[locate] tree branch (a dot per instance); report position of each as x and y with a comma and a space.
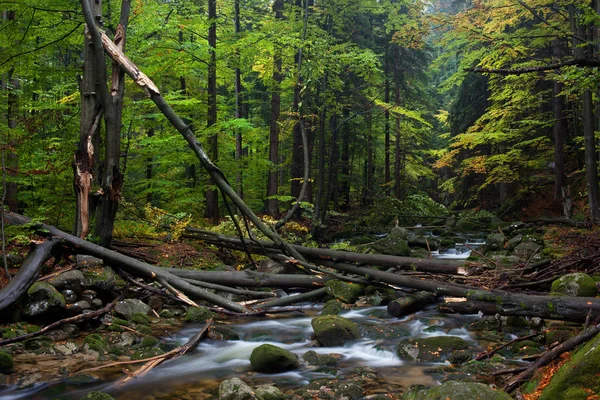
579, 62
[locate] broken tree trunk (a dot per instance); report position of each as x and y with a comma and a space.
130, 265
564, 308
315, 254
251, 278
29, 270
410, 303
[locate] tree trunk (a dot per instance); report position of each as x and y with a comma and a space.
321, 168
591, 157
410, 303
112, 179
238, 108
273, 184
212, 195
387, 168
397, 150
11, 165
345, 172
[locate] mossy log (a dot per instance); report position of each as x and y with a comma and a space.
29, 270
410, 303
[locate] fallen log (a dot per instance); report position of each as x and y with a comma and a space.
29, 270
563, 308
286, 301
410, 303
316, 254
251, 278
128, 264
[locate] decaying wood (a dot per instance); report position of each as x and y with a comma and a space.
242, 292
490, 353
568, 345
70, 320
179, 351
128, 264
410, 303
286, 301
28, 271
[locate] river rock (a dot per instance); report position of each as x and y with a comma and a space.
235, 389
576, 284
578, 377
455, 390
99, 278
43, 298
346, 292
6, 363
66, 348
268, 392
349, 391
527, 248
427, 243
97, 396
394, 244
198, 314
269, 358
72, 280
69, 295
332, 330
494, 241
432, 349
129, 307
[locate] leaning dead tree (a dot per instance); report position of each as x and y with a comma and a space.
102, 42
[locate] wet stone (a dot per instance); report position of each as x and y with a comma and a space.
70, 296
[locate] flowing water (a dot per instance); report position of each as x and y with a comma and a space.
197, 374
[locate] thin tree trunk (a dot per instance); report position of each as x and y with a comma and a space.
321, 167
149, 167
397, 150
591, 157
387, 168
273, 184
212, 197
238, 108
345, 172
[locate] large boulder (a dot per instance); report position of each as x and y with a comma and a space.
235, 389
345, 292
198, 314
268, 392
394, 244
69, 280
333, 330
576, 284
43, 298
455, 390
100, 278
432, 349
577, 379
527, 248
129, 307
6, 363
269, 358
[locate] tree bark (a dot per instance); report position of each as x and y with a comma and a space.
410, 303
212, 196
252, 278
591, 157
28, 271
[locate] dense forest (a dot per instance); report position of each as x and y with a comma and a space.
387, 131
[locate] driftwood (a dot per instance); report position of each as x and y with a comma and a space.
29, 270
130, 265
317, 255
410, 303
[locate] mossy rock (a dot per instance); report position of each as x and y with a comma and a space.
578, 378
269, 358
198, 314
97, 396
141, 319
576, 284
332, 307
146, 353
7, 365
392, 245
332, 330
432, 349
149, 341
268, 392
455, 390
235, 389
345, 292
96, 342
143, 329
99, 278
129, 308
43, 298
223, 333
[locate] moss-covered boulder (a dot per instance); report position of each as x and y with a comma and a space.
128, 308
576, 284
268, 392
235, 389
198, 314
577, 379
527, 248
455, 390
332, 307
269, 358
96, 342
432, 349
395, 244
333, 330
223, 333
43, 298
71, 280
99, 277
345, 292
97, 396
7, 365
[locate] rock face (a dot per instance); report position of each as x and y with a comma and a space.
432, 349
269, 358
344, 291
454, 390
578, 378
577, 284
129, 307
43, 298
332, 330
235, 389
